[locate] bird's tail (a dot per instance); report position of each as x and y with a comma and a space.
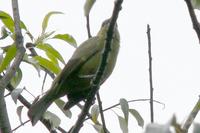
37, 109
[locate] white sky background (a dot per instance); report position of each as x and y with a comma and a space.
175, 51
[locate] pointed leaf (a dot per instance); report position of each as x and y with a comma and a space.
95, 113
60, 103
123, 124
124, 106
137, 116
48, 64
46, 20
17, 78
67, 38
52, 58
7, 20
19, 113
50, 50
4, 33
88, 6
53, 118
43, 37
10, 54
15, 94
33, 62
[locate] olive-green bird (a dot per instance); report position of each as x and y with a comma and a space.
75, 79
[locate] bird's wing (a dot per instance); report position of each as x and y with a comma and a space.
81, 55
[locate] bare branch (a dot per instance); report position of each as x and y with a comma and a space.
88, 26
4, 121
100, 71
191, 117
150, 74
193, 17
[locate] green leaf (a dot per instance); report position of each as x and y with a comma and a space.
19, 113
4, 33
48, 64
43, 37
53, 118
15, 94
137, 116
125, 108
46, 20
32, 62
52, 58
23, 26
67, 38
7, 20
196, 4
95, 113
17, 78
88, 6
10, 54
60, 103
50, 50
123, 124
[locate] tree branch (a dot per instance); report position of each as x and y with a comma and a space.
96, 81
4, 121
193, 17
45, 122
88, 26
150, 73
97, 95
191, 117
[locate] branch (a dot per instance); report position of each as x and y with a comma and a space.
191, 117
193, 17
4, 121
98, 95
95, 82
101, 112
150, 73
19, 45
45, 122
88, 26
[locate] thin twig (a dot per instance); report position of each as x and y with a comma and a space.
29, 92
101, 69
45, 122
191, 117
115, 105
150, 73
88, 26
22, 124
193, 17
101, 112
7, 95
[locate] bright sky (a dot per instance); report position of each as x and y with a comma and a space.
175, 51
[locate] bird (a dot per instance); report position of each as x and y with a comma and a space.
75, 78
